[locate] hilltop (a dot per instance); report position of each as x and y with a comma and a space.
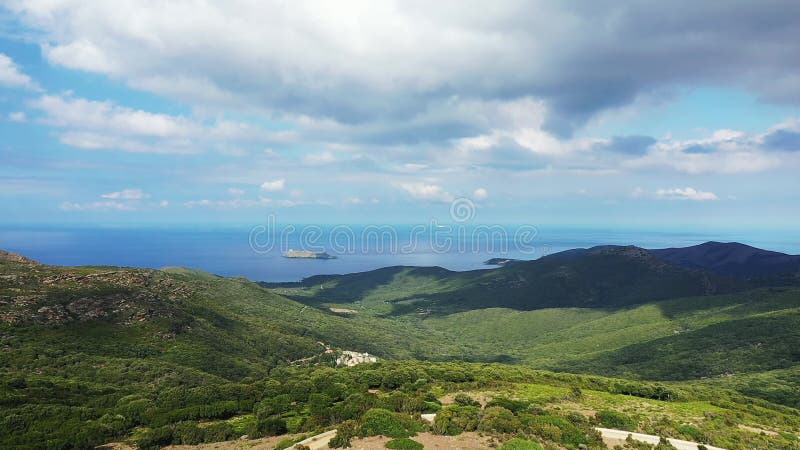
731, 258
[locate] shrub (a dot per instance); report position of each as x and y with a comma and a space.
379, 421
498, 419
454, 420
344, 433
187, 433
614, 419
271, 426
155, 438
465, 400
404, 444
691, 432
520, 444
431, 407
509, 404
221, 431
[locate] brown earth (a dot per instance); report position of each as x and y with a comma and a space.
464, 441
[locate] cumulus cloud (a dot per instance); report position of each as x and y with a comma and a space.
93, 124
273, 185
784, 136
67, 111
11, 76
480, 194
127, 194
577, 58
722, 151
428, 192
236, 191
687, 193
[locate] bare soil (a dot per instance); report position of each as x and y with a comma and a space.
464, 441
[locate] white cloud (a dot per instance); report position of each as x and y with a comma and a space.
127, 194
92, 124
236, 191
273, 185
687, 193
353, 201
235, 203
430, 192
480, 194
163, 203
17, 116
11, 76
409, 61
104, 205
66, 111
723, 151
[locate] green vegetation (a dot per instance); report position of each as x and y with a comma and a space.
404, 444
99, 354
520, 444
753, 334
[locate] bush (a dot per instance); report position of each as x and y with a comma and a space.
379, 421
187, 433
454, 420
514, 406
691, 432
465, 400
520, 444
221, 431
499, 420
344, 434
155, 438
404, 444
614, 419
271, 426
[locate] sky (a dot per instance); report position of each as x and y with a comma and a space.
603, 113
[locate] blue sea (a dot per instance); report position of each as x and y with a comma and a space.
256, 252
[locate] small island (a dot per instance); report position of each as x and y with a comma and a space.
307, 254
500, 261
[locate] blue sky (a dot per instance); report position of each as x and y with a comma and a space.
589, 114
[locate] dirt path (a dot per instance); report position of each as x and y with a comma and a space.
319, 441
464, 441
617, 437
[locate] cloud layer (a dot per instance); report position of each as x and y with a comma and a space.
363, 104
364, 62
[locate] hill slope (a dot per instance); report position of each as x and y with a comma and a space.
730, 258
91, 353
601, 277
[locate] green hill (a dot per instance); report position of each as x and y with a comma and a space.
93, 354
603, 277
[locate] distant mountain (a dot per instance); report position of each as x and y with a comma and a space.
730, 258
600, 277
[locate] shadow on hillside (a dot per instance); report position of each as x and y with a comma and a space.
753, 344
738, 304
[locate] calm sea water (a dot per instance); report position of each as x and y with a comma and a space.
238, 250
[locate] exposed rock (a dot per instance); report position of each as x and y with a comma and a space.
350, 358
15, 257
